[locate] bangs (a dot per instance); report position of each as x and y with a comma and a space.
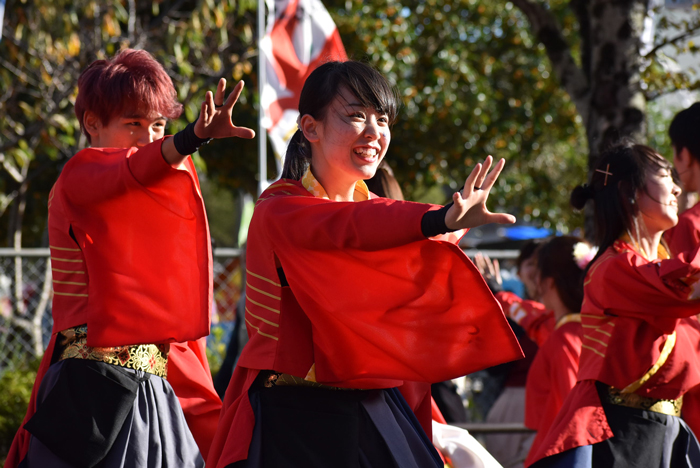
375, 94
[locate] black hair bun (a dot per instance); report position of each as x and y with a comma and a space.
580, 195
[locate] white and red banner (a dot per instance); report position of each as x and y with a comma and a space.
300, 36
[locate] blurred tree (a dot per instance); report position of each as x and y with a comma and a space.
544, 84
473, 83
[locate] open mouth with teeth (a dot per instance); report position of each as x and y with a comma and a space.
366, 153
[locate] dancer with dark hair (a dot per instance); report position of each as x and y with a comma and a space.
352, 311
683, 132
560, 264
640, 345
132, 274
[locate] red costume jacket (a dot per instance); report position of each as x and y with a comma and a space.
370, 303
685, 235
552, 376
537, 321
631, 308
131, 258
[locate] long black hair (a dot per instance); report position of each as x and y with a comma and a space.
320, 88
621, 173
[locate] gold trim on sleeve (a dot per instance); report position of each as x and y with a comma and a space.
263, 278
262, 292
64, 248
262, 305
69, 294
77, 272
262, 333
261, 319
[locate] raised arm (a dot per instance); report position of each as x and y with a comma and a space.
214, 122
469, 208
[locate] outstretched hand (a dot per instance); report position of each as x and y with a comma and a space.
215, 118
469, 209
489, 269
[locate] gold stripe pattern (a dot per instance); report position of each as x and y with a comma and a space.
590, 348
69, 282
69, 294
64, 248
66, 260
665, 352
261, 319
262, 305
261, 333
596, 340
262, 292
77, 272
262, 278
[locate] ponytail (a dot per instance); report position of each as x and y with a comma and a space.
298, 156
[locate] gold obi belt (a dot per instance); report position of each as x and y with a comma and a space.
145, 357
632, 400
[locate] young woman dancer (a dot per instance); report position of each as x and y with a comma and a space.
640, 348
352, 310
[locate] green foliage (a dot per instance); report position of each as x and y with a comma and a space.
216, 348
473, 82
16, 385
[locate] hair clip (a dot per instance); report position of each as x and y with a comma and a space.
607, 173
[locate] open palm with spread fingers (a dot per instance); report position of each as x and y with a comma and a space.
215, 119
469, 209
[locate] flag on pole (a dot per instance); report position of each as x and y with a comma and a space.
300, 36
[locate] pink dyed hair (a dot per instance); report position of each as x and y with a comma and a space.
132, 80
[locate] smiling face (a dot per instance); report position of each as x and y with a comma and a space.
127, 131
658, 203
348, 143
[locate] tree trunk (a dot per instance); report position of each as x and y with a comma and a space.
606, 85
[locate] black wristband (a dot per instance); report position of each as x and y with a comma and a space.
187, 142
433, 222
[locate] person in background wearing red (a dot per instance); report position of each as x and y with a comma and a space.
528, 312
639, 351
560, 264
683, 133
132, 274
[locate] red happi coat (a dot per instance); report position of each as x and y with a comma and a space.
532, 316
131, 258
552, 376
685, 235
631, 308
370, 303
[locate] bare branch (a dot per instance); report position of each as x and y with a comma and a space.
14, 173
671, 41
546, 30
